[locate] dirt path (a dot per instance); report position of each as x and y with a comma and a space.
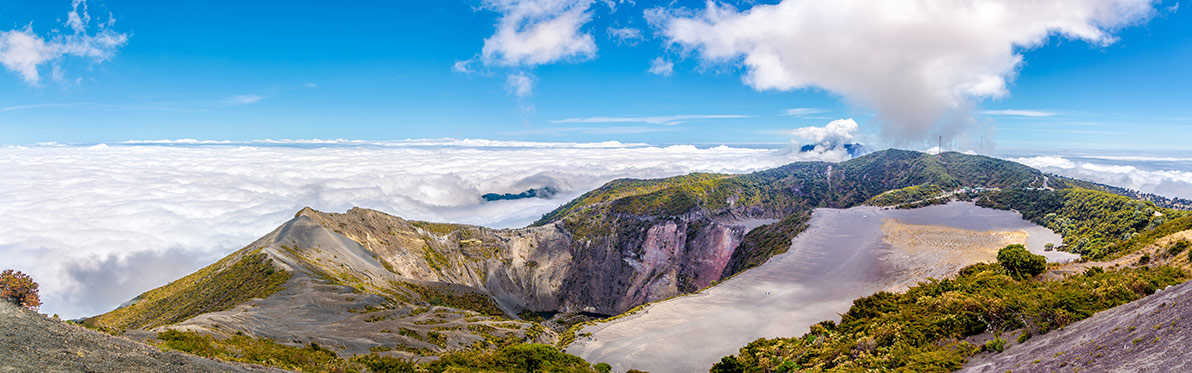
841, 256
33, 343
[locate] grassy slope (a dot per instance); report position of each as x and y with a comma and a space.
314, 358
1093, 223
218, 287
764, 242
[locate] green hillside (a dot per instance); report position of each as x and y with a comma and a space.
217, 287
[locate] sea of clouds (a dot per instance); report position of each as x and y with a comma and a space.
97, 225
1166, 174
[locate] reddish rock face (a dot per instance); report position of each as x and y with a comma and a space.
642, 259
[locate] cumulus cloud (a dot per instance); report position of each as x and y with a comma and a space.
97, 226
662, 67
920, 64
833, 134
1167, 176
24, 51
536, 32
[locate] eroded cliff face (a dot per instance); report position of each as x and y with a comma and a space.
547, 268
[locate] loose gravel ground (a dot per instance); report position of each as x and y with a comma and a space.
1153, 334
30, 342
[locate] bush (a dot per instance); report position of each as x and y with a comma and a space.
1020, 263
997, 344
1178, 248
1144, 260
527, 357
19, 289
603, 367
378, 363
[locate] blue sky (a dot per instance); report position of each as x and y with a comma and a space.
383, 70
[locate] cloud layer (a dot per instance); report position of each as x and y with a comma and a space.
24, 52
920, 64
1167, 176
98, 225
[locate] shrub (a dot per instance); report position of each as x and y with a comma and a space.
1178, 247
1020, 263
244, 349
603, 367
530, 316
528, 357
997, 344
19, 289
378, 363
1144, 260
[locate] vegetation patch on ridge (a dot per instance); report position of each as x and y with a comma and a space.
1093, 223
764, 242
906, 195
437, 295
215, 288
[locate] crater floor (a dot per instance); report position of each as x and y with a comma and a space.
843, 255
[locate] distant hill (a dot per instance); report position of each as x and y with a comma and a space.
854, 150
543, 192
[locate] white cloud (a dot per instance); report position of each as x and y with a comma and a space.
243, 99
835, 133
920, 64
520, 84
801, 111
1020, 113
668, 120
561, 131
77, 218
1145, 174
625, 35
662, 67
536, 32
24, 51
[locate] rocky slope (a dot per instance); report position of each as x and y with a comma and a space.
34, 343
366, 281
1148, 335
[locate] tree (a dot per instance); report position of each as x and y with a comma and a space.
19, 288
1020, 262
